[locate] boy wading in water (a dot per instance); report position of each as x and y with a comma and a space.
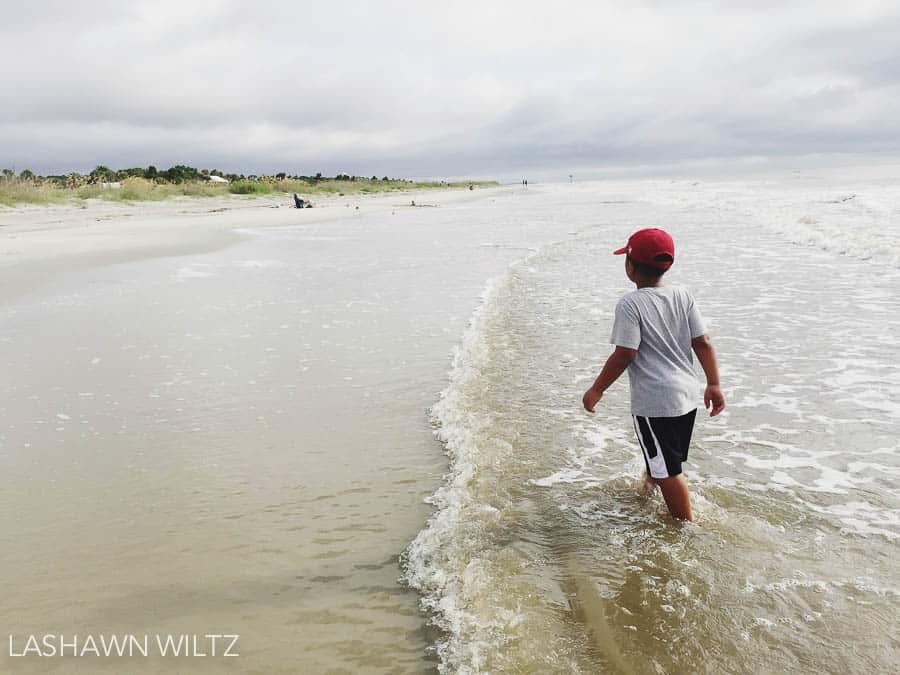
654, 331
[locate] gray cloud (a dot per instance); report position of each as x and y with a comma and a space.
458, 88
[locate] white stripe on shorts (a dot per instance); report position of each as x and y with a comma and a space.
657, 464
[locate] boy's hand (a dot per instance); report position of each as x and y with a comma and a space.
591, 398
615, 365
714, 397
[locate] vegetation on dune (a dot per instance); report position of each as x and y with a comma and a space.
16, 191
144, 184
250, 187
140, 189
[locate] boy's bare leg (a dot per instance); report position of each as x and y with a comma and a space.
675, 492
649, 484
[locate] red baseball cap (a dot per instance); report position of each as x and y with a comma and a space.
645, 245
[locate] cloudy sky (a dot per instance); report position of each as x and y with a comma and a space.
443, 88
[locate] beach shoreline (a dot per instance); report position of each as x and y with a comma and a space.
40, 243
264, 440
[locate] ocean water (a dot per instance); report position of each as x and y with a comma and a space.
545, 554
265, 441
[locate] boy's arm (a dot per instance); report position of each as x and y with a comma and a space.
615, 365
713, 396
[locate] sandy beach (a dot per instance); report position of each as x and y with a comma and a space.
214, 420
39, 243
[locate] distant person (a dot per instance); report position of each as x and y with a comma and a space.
654, 330
299, 203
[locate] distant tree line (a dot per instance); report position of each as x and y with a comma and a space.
174, 174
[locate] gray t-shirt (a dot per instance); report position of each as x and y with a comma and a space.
659, 322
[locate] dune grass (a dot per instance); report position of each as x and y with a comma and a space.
140, 189
367, 186
250, 187
20, 191
14, 191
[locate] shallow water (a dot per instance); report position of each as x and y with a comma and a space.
543, 527
241, 442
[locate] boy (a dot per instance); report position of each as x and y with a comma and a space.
654, 330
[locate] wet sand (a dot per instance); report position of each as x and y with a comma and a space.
216, 422
39, 243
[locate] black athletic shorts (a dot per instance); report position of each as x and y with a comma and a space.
664, 442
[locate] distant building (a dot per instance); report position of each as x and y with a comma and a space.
217, 179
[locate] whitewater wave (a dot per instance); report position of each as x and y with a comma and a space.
453, 562
865, 243
540, 528
862, 225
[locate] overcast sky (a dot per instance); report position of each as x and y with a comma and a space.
442, 88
